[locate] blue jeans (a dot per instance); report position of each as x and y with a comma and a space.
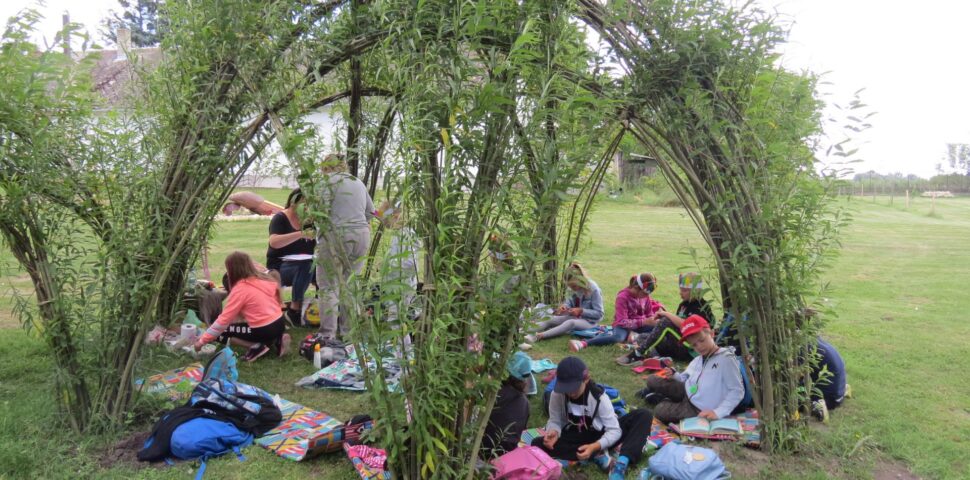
619, 335
298, 275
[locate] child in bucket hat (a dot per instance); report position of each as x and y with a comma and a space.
510, 414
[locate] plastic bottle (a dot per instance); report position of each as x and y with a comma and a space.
317, 361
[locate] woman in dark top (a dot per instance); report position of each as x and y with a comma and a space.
288, 237
510, 415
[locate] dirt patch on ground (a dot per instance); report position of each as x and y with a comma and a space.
892, 470
124, 453
741, 462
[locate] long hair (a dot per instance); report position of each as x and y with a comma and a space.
520, 385
239, 266
295, 196
334, 163
576, 273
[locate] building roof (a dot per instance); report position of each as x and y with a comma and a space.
113, 73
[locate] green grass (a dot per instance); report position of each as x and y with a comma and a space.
898, 289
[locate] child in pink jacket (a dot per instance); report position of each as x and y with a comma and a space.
635, 312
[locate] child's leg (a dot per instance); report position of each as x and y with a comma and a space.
669, 387
566, 327
555, 321
569, 442
619, 335
636, 429
669, 411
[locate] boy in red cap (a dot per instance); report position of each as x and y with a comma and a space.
710, 387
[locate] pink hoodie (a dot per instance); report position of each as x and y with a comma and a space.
630, 311
255, 299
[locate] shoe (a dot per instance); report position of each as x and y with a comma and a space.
525, 346
618, 472
283, 344
603, 460
848, 391
293, 316
576, 345
530, 338
653, 399
256, 351
820, 411
629, 360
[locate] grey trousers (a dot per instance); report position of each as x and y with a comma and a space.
561, 325
340, 254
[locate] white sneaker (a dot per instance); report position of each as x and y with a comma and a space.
525, 346
576, 345
530, 338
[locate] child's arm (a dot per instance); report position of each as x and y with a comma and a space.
595, 312
611, 425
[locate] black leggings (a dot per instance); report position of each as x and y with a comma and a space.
267, 335
635, 426
665, 339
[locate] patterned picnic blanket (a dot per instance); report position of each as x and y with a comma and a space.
346, 374
749, 424
176, 384
304, 433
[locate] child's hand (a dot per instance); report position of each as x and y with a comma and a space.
550, 439
586, 451
708, 414
576, 312
561, 310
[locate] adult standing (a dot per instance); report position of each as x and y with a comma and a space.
290, 251
343, 237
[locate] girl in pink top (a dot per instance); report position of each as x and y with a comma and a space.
635, 312
255, 297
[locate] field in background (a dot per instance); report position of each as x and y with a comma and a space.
898, 289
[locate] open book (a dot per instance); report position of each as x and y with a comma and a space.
702, 426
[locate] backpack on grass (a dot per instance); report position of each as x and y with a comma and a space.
526, 463
619, 405
682, 462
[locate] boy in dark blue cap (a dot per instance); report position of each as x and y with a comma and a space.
583, 426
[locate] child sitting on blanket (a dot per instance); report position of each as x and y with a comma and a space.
635, 312
581, 310
664, 340
583, 426
711, 386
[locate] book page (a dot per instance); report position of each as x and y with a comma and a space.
726, 425
695, 425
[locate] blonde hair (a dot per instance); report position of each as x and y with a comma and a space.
576, 272
334, 163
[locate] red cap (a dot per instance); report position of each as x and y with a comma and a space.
692, 325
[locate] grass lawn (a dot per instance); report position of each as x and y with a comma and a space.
897, 288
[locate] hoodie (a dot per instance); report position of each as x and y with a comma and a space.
591, 301
631, 311
255, 299
714, 383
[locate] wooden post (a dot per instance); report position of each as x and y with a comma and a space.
907, 199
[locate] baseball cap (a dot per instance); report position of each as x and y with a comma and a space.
692, 325
520, 367
570, 375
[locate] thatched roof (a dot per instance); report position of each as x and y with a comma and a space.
113, 73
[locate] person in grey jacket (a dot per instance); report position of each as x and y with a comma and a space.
710, 387
583, 425
581, 310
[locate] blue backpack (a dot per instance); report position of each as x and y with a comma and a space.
682, 462
203, 438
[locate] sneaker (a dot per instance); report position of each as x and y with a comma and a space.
283, 344
619, 468
603, 460
531, 338
293, 316
653, 399
820, 411
848, 391
576, 345
525, 346
256, 351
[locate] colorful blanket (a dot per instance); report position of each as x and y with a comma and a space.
750, 423
175, 384
659, 436
304, 433
362, 466
346, 374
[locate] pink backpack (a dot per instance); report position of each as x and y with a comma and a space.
526, 463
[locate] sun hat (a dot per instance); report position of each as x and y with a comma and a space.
520, 367
692, 325
570, 375
690, 280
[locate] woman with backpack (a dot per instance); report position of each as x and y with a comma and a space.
583, 425
254, 296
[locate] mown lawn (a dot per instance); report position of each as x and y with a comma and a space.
898, 288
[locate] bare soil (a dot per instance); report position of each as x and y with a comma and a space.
124, 453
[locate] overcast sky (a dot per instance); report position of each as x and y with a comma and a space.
910, 59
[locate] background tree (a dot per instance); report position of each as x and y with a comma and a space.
141, 17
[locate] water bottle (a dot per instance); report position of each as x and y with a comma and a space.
317, 361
